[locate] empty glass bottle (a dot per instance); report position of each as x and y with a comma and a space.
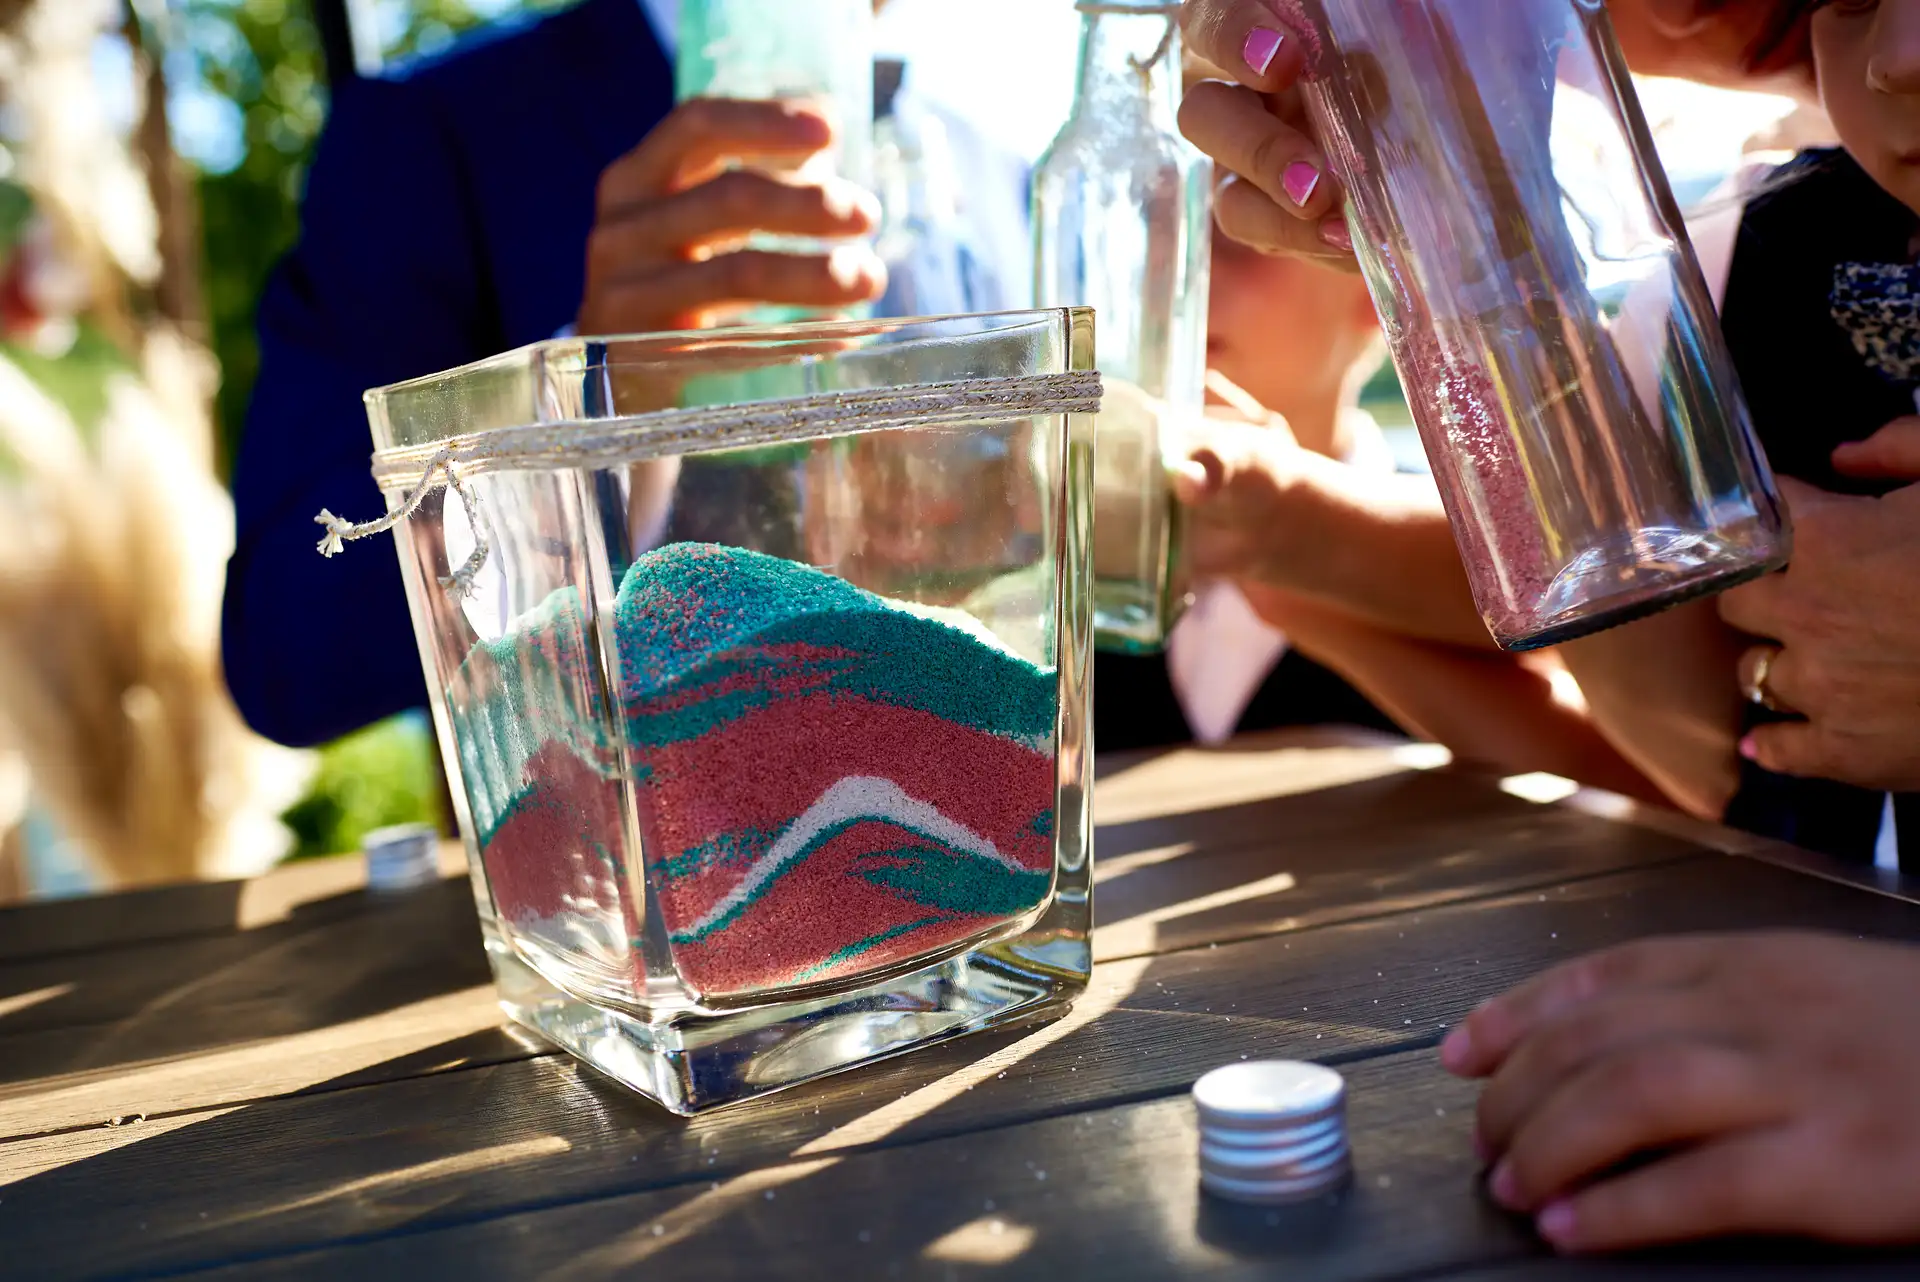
1122, 224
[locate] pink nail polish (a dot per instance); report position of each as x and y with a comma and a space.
1750, 748
1504, 1188
1557, 1224
1262, 47
1334, 232
1300, 180
1456, 1049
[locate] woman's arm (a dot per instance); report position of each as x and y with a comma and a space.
1665, 693
1485, 706
1373, 545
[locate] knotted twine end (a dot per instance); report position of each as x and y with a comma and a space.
338, 532
459, 584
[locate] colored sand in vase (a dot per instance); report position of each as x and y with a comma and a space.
830, 783
542, 784
827, 783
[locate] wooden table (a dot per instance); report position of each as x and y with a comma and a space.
291, 1079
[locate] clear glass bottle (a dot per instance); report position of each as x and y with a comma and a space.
769, 761
1123, 209
757, 50
1547, 315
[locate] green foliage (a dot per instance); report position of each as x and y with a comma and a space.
384, 775
264, 58
76, 379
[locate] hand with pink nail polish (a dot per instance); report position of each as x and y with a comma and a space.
1716, 1085
1288, 202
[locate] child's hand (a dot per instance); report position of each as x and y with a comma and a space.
1769, 1080
1235, 485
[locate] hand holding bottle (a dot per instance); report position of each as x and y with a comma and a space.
672, 214
1285, 201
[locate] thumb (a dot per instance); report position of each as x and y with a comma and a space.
1892, 453
1193, 482
1802, 498
1201, 476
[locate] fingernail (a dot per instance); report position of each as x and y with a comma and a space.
1190, 482
852, 267
1505, 1190
1334, 232
1750, 748
1300, 181
1556, 1223
844, 200
1456, 1049
1262, 47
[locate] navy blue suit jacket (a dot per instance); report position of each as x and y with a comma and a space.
446, 219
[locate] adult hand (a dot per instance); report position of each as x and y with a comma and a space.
1279, 197
672, 214
1842, 625
1759, 1081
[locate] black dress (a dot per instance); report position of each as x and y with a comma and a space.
1809, 390
1134, 705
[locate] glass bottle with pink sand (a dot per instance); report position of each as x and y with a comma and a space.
1547, 316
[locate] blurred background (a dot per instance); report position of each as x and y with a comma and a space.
152, 155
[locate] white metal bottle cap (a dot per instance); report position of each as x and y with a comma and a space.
402, 858
1272, 1131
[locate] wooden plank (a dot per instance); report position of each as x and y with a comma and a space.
245, 948
1389, 842
350, 961
1384, 844
423, 1153
1111, 1194
1267, 765
1710, 1262
47, 928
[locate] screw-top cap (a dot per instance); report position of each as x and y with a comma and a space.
402, 858
1272, 1131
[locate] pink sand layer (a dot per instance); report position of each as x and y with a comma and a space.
758, 773
827, 921
559, 851
1483, 485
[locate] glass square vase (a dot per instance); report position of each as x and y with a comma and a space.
766, 713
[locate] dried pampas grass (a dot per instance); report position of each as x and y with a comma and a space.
110, 682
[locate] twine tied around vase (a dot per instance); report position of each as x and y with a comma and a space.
413, 472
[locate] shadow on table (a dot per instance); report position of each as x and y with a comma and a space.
1063, 1150
338, 959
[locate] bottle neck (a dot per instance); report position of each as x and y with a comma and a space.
1130, 66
